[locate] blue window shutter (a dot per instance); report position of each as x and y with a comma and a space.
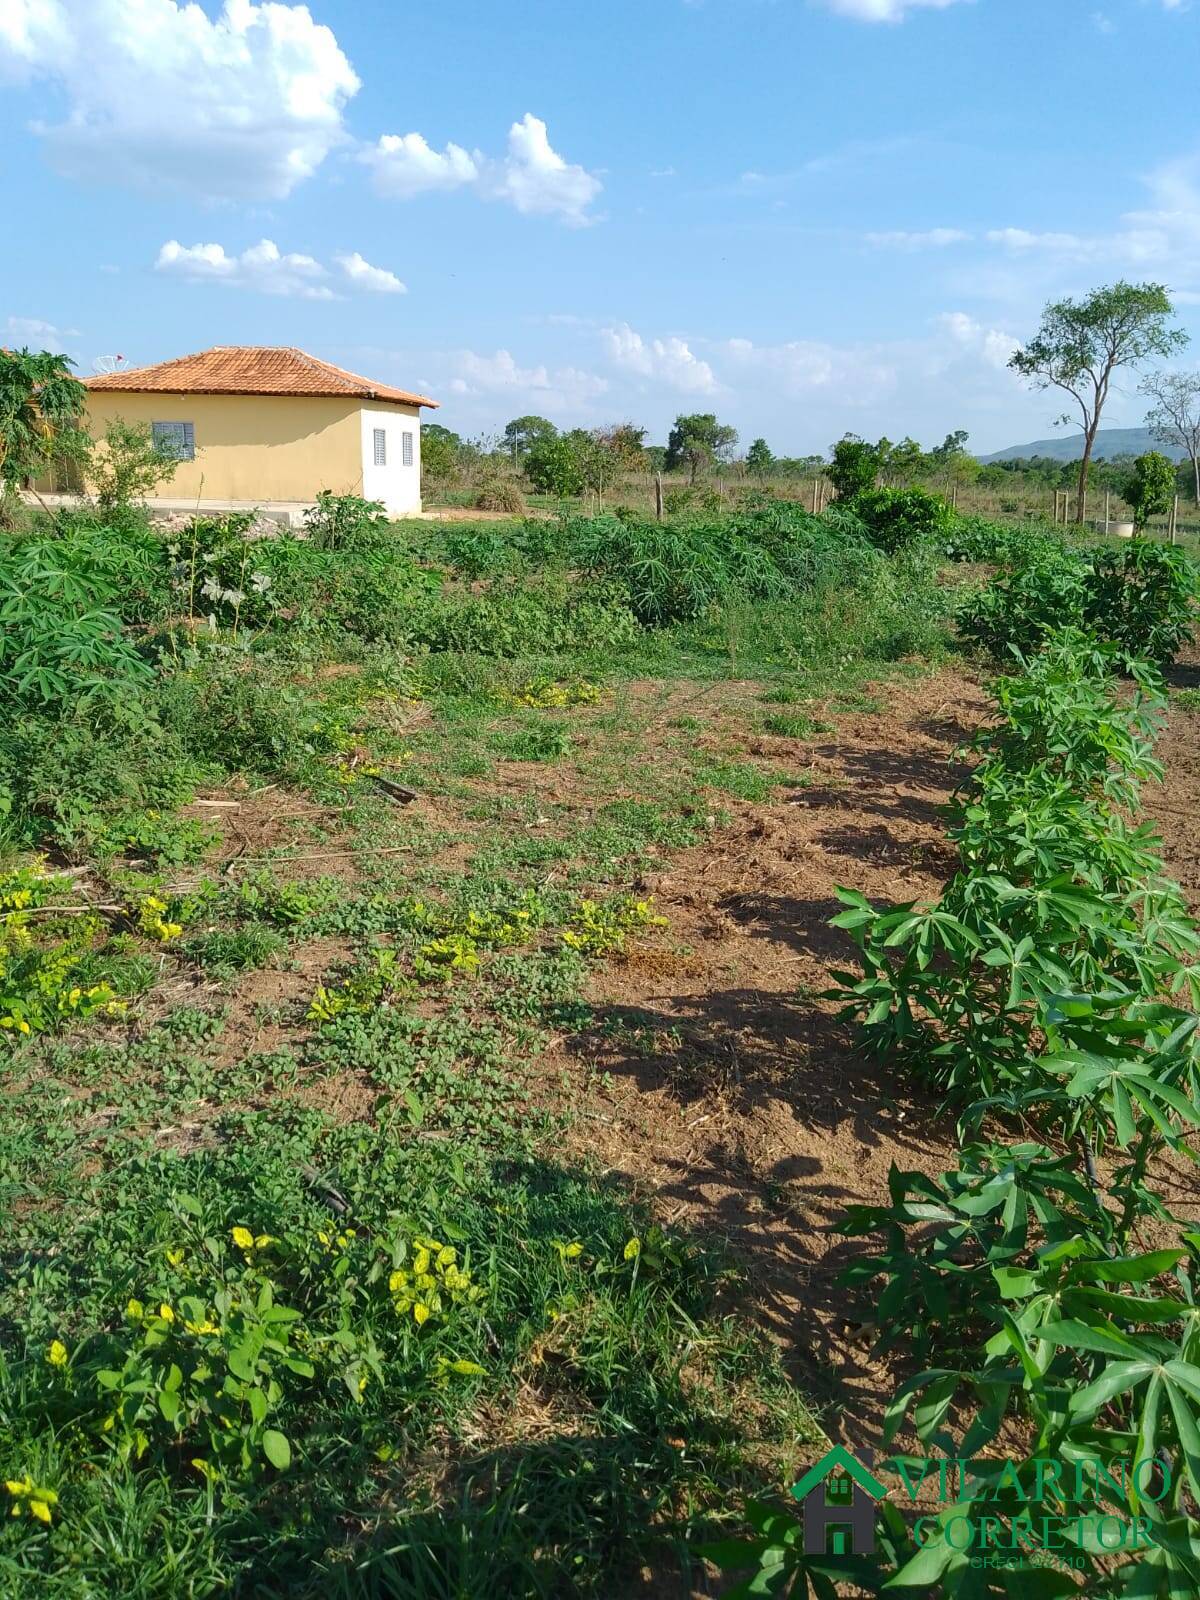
189, 442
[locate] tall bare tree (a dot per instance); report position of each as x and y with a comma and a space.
1081, 343
1174, 417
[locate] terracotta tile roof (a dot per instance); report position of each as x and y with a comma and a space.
252, 369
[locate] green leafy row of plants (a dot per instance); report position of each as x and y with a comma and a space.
1044, 1286
1140, 597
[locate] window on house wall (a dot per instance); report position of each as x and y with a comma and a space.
406, 449
177, 439
380, 436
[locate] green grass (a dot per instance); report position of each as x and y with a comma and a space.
796, 726
360, 1048
631, 1342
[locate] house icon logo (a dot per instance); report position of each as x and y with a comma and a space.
839, 1496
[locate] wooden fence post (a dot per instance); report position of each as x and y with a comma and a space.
1107, 503
815, 482
1175, 521
658, 496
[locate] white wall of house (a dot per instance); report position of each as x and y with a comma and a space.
391, 455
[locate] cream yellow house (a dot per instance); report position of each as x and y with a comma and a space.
254, 425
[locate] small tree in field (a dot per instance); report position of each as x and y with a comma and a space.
441, 455
854, 466
41, 418
522, 433
1081, 343
697, 441
907, 461
626, 443
130, 466
759, 457
552, 467
1150, 488
1175, 416
601, 454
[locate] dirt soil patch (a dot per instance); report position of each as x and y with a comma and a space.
720, 1081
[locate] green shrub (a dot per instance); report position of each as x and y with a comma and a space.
368, 591
347, 523
896, 518
69, 781
536, 616
244, 715
1016, 613
130, 465
480, 552
1149, 487
676, 571
62, 642
1140, 598
552, 467
1004, 544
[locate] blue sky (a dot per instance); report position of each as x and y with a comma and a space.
806, 215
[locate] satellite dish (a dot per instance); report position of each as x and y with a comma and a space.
103, 365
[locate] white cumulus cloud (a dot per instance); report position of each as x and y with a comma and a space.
263, 267
362, 275
531, 176
992, 345
853, 375
559, 391
883, 10
669, 361
159, 95
406, 165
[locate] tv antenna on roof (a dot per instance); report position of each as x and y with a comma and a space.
103, 365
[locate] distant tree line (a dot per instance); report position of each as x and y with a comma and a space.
1078, 349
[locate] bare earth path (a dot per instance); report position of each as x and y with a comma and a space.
719, 1080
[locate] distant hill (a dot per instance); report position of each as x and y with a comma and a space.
1069, 446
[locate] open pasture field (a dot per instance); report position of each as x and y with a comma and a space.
448, 1143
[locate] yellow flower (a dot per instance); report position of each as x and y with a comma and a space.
242, 1237
57, 1353
447, 1256
420, 1313
202, 1327
397, 1281
135, 1310
166, 1313
175, 1257
633, 1248
262, 1241
421, 1261
32, 1497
